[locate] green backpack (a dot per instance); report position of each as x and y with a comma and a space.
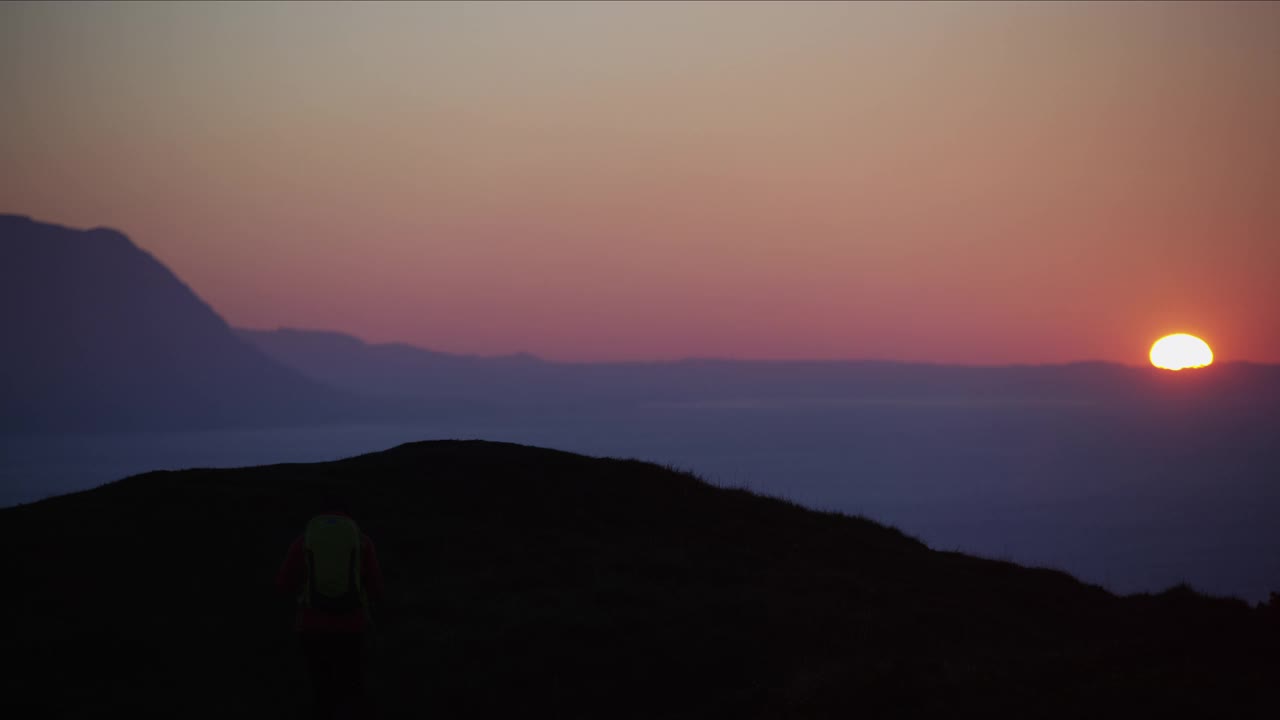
332, 544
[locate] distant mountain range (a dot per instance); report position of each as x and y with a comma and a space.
514, 381
399, 370
100, 335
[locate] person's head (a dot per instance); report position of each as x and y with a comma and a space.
331, 502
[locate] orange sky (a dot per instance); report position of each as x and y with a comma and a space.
974, 183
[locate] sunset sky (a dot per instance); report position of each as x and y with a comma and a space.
972, 183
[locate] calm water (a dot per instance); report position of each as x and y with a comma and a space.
1130, 500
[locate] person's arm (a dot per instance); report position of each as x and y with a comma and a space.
372, 571
289, 579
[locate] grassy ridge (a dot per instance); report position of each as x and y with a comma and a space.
523, 579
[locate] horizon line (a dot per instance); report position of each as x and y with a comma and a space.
728, 359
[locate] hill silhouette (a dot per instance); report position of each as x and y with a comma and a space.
524, 581
100, 335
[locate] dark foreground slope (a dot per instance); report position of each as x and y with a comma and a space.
527, 582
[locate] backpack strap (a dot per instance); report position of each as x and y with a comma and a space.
353, 582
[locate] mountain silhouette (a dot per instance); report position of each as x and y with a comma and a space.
100, 335
525, 381
530, 582
402, 370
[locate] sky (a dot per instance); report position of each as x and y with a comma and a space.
955, 183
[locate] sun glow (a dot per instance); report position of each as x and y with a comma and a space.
1180, 351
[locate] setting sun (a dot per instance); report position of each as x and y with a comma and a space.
1180, 351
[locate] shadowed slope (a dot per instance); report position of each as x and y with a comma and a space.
528, 581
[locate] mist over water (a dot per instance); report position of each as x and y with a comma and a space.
1131, 498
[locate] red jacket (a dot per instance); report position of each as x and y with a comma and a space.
292, 575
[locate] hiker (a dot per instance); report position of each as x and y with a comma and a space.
333, 569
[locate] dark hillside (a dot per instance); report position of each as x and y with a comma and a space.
528, 582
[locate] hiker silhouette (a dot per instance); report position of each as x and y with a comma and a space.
332, 568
